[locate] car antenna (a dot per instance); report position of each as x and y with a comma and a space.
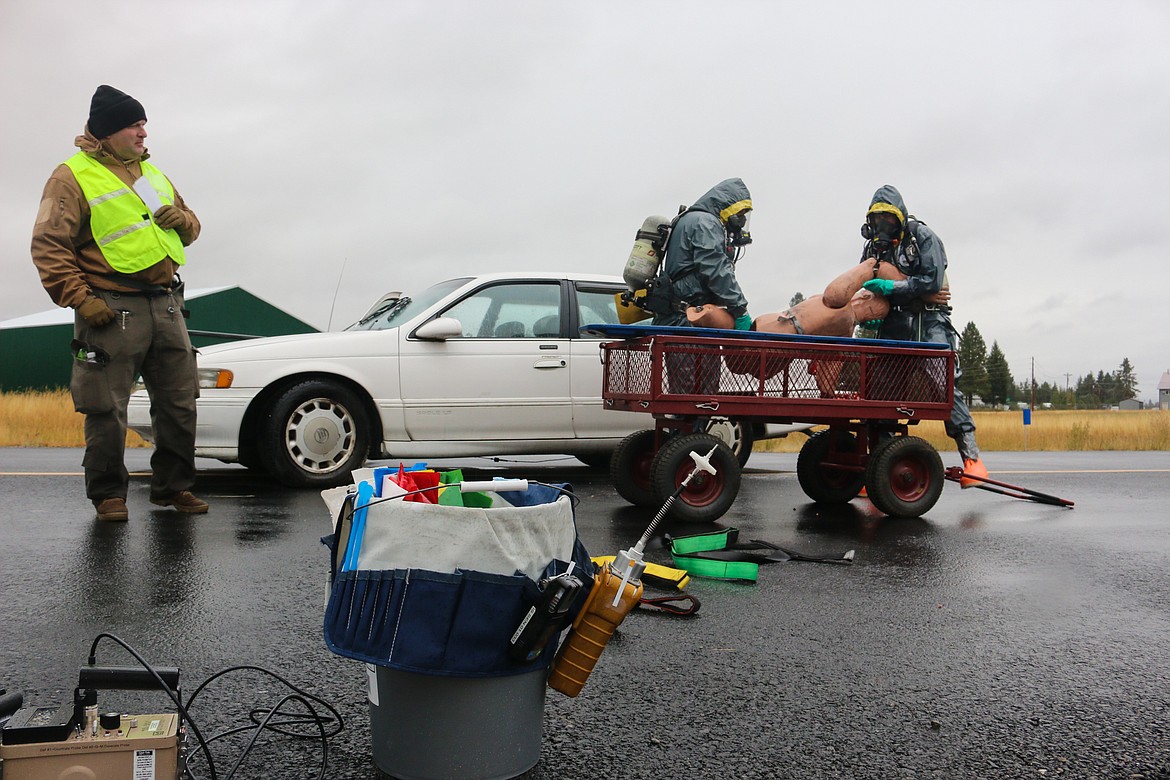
336, 290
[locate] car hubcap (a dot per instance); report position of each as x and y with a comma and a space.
320, 435
727, 432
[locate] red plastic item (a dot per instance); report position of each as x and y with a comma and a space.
418, 480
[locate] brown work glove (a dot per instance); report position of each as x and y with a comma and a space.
96, 312
170, 218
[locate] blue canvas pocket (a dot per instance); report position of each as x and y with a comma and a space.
454, 624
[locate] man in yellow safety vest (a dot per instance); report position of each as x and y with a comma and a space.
108, 242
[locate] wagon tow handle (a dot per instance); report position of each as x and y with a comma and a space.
628, 561
956, 473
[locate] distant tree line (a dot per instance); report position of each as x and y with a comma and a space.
986, 374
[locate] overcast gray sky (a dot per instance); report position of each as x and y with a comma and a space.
359, 147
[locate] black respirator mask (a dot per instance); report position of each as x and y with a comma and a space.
883, 233
738, 233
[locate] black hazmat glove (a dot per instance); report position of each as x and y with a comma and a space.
96, 312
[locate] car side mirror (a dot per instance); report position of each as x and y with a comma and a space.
440, 329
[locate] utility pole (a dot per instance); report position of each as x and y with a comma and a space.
1032, 404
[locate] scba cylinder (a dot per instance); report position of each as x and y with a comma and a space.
646, 255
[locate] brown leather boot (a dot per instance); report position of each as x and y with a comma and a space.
184, 501
113, 509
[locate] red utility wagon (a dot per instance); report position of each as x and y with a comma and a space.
867, 391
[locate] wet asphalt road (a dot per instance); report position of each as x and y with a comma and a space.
992, 638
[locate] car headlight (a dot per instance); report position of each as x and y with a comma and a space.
215, 377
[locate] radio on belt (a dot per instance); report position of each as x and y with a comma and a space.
546, 617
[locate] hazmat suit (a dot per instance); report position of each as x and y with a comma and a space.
699, 268
918, 253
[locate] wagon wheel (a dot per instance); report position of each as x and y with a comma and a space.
629, 468
707, 496
904, 477
822, 481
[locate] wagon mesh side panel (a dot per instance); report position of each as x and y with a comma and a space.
666, 368
627, 370
908, 378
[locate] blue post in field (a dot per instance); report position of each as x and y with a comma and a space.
1027, 422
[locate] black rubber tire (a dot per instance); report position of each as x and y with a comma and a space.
629, 468
316, 434
708, 496
598, 461
828, 484
904, 477
736, 434
252, 462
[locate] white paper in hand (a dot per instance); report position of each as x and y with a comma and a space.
148, 195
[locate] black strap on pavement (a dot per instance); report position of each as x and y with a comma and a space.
720, 554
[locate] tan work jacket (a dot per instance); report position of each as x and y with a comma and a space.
68, 259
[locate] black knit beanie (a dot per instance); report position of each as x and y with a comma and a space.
112, 110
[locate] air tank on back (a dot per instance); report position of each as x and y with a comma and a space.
645, 257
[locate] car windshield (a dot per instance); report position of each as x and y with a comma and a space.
393, 310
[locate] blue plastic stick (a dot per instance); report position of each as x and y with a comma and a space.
358, 526
379, 475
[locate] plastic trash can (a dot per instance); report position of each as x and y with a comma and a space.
428, 727
428, 597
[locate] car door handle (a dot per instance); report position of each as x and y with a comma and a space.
550, 362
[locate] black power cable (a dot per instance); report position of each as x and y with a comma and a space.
259, 724
162, 685
268, 721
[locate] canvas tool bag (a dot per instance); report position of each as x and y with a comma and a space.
439, 589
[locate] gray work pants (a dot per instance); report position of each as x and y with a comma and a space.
149, 337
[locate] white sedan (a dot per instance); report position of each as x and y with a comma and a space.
475, 366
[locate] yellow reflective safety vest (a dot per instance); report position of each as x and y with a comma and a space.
121, 222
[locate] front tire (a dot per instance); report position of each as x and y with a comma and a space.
904, 477
707, 497
316, 434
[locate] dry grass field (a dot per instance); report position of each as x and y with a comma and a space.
44, 419
1051, 430
47, 419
